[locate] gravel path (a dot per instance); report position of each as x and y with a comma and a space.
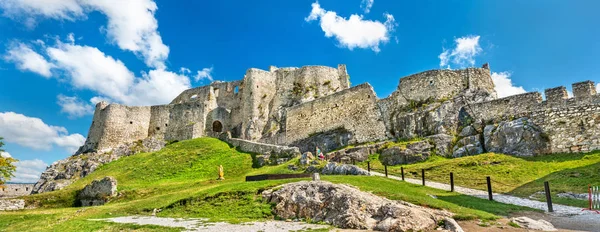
203, 225
559, 210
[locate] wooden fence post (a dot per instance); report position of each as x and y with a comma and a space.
402, 171
369, 166
548, 196
385, 166
489, 187
423, 176
451, 182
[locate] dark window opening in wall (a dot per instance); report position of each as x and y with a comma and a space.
166, 124
430, 82
130, 122
27, 189
236, 89
217, 126
157, 128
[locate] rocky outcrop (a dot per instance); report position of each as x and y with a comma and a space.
347, 207
412, 153
442, 143
470, 145
98, 192
11, 204
343, 169
64, 172
358, 153
528, 223
520, 137
410, 118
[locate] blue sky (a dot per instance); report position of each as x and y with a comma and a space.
57, 58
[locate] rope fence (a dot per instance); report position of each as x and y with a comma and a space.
594, 191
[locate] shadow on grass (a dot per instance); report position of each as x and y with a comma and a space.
492, 207
573, 180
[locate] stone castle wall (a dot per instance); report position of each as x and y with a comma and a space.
313, 105
116, 124
570, 124
354, 111
443, 84
15, 190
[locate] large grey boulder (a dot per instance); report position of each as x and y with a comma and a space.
98, 192
332, 168
398, 155
528, 223
347, 207
470, 145
442, 143
520, 137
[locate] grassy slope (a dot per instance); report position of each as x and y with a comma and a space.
180, 180
517, 176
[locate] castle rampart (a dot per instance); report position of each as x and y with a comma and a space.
15, 190
354, 111
314, 106
570, 124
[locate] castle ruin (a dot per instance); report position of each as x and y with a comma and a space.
315, 106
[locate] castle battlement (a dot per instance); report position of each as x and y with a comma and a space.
314, 106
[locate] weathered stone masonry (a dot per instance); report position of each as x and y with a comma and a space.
313, 106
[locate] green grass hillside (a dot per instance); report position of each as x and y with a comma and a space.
513, 175
180, 179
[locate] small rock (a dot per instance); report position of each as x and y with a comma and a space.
316, 177
397, 155
306, 157
343, 169
528, 223
467, 131
578, 196
451, 225
292, 167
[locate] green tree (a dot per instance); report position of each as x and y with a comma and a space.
7, 166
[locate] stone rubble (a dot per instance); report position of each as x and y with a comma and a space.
528, 223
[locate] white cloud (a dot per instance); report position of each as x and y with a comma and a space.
204, 74
131, 24
5, 154
89, 68
34, 133
28, 60
184, 70
86, 67
74, 107
366, 5
157, 87
463, 54
354, 31
504, 86
29, 171
28, 10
